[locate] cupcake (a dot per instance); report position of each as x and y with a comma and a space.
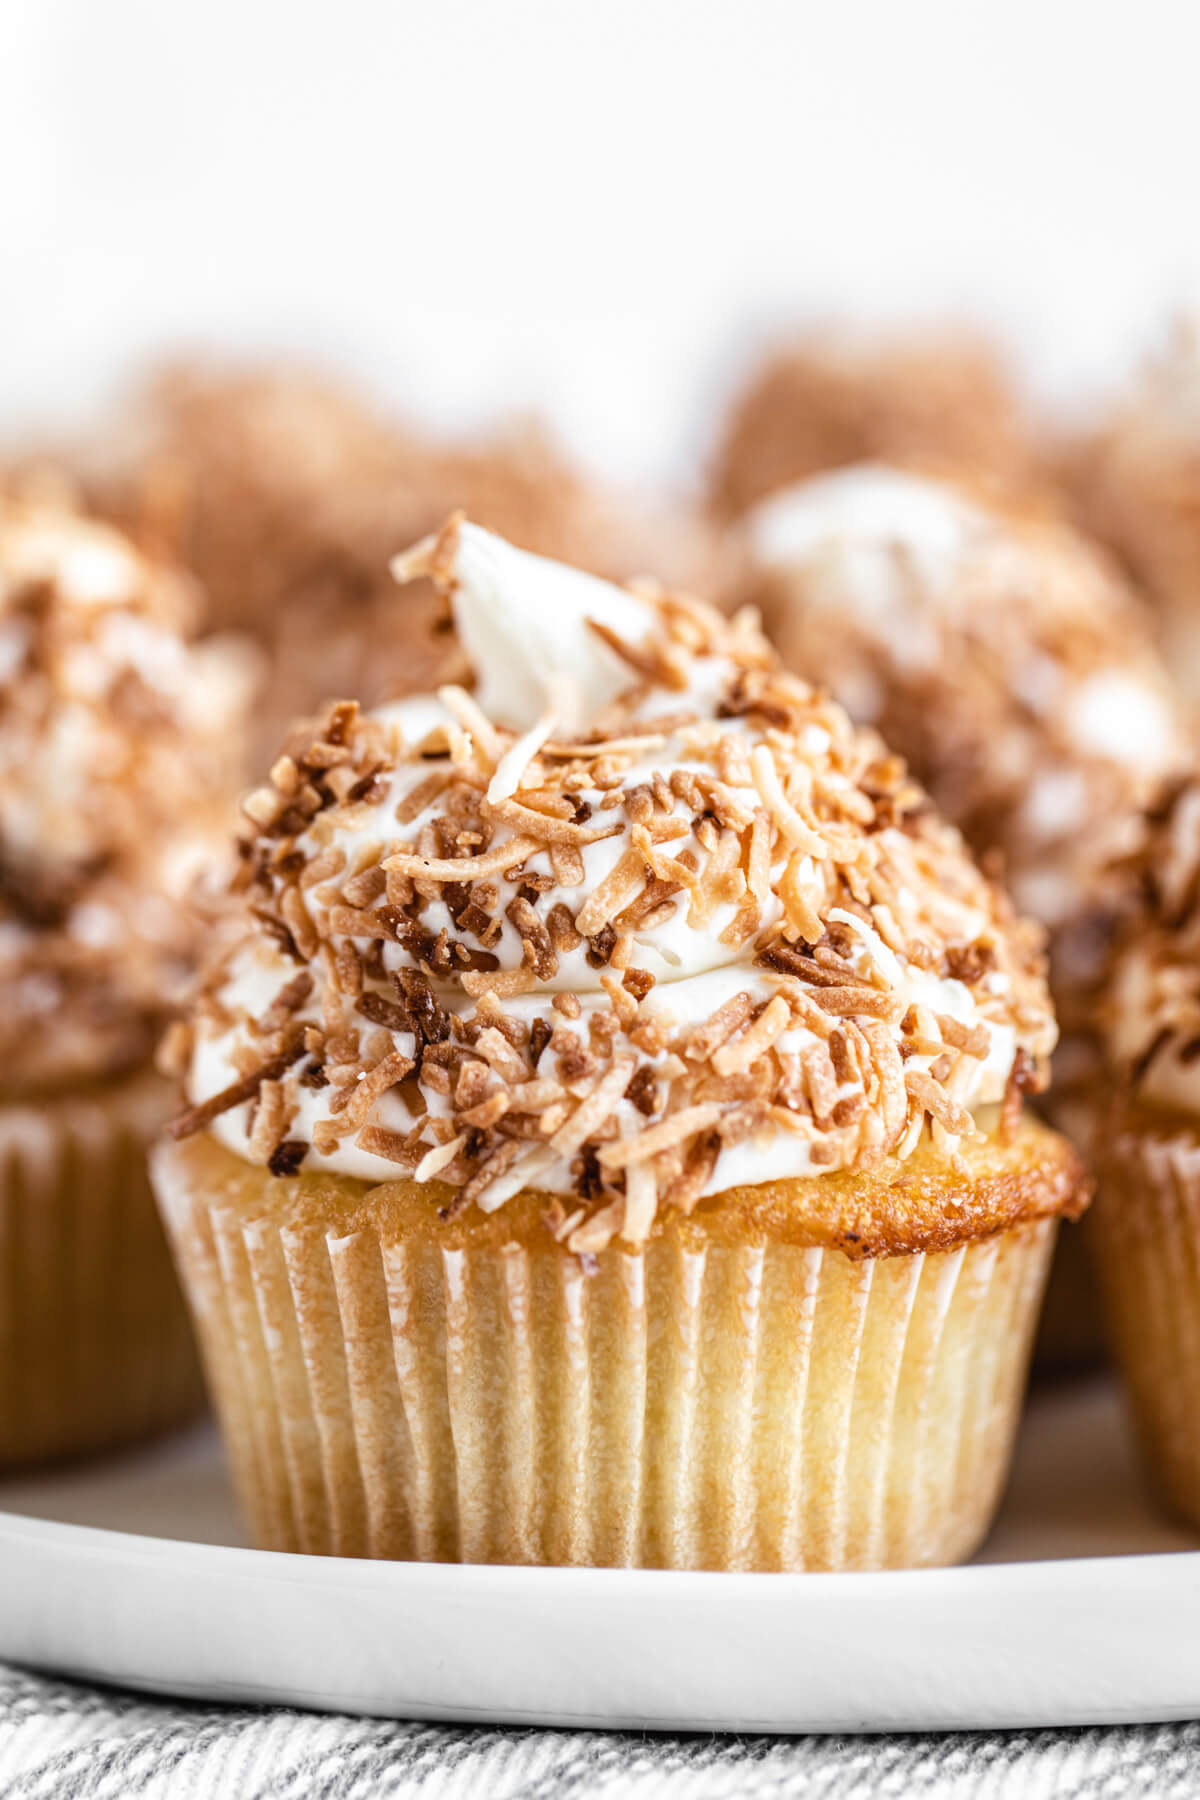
1145, 1236
606, 1143
1136, 482
929, 399
117, 743
286, 494
1003, 656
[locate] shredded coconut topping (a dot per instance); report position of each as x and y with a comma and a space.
710, 934
118, 745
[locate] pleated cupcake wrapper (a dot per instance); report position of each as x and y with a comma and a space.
1144, 1234
95, 1344
737, 1408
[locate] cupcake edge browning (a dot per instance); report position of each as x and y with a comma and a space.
916, 1208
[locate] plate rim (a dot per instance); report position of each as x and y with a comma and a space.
293, 1563
751, 1614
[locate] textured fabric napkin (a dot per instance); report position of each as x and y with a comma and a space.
60, 1738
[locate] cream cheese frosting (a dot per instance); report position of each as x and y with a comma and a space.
639, 920
1000, 654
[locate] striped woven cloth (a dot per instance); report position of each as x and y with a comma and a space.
59, 1738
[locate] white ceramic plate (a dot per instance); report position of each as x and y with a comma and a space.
1084, 1608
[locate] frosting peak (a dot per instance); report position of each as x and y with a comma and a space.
698, 932
526, 625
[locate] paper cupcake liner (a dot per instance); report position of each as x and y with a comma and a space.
95, 1345
1144, 1234
727, 1407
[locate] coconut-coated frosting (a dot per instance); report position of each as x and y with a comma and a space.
640, 919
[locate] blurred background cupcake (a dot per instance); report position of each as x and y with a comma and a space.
120, 752
1146, 1234
999, 652
285, 492
1006, 658
1136, 483
940, 400
607, 1142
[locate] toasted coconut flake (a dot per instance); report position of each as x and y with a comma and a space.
596, 1234
641, 1203
474, 721
593, 1111
439, 1158
973, 1040
464, 868
788, 820
938, 1104
756, 1040
392, 1146
850, 1002
512, 766
687, 1187
617, 889
707, 1038
655, 664
545, 829
324, 867
420, 798
676, 1130
503, 1176
195, 1118
504, 983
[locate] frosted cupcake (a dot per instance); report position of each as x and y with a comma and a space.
287, 494
1010, 664
1137, 483
117, 745
607, 1144
935, 400
1001, 655
1146, 1232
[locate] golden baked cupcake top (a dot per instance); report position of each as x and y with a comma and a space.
118, 744
1152, 1003
999, 652
639, 919
926, 399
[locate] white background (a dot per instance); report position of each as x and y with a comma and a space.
596, 208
